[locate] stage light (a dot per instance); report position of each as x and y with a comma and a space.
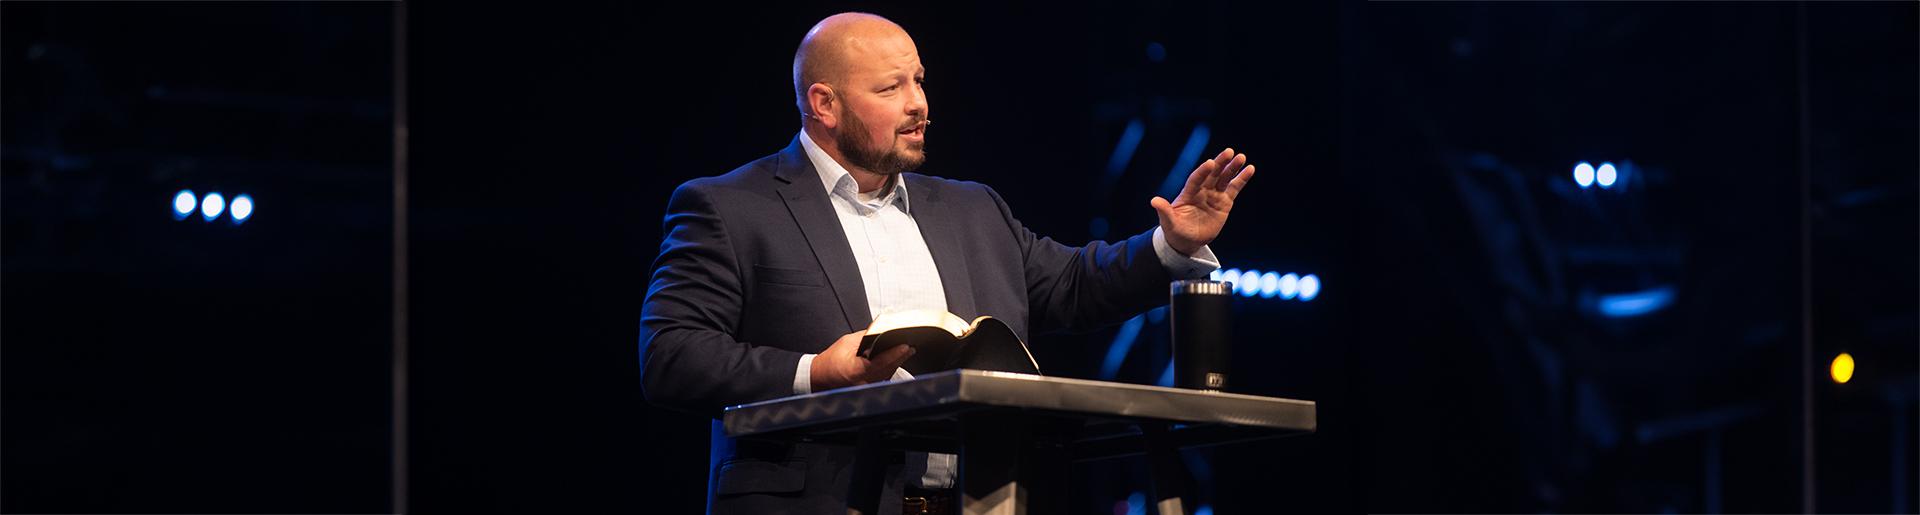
1123, 150
1606, 175
1269, 285
183, 204
1309, 287
1842, 368
240, 208
1122, 344
211, 206
1632, 304
1583, 174
1189, 159
1204, 510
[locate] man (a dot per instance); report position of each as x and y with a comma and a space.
769, 274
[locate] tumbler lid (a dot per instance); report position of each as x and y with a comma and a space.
1202, 287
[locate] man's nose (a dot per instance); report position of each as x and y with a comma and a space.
917, 106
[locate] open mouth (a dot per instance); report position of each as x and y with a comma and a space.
918, 129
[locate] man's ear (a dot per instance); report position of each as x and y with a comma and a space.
823, 103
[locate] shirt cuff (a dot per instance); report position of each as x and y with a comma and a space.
1196, 266
803, 375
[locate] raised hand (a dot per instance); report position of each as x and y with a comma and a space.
1195, 217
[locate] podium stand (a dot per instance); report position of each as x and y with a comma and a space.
1016, 434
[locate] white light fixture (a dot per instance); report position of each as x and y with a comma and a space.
241, 208
183, 204
1606, 175
212, 205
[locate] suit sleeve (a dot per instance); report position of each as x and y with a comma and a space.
1088, 287
689, 359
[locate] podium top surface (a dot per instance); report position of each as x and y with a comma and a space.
950, 393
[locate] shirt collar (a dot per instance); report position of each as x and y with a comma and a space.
839, 182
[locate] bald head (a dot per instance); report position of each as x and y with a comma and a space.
858, 82
838, 44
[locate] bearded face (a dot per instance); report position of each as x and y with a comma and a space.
900, 149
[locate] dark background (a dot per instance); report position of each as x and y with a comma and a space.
1414, 156
154, 365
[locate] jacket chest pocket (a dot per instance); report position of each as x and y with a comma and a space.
763, 274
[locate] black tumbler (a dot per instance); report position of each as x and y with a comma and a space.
1202, 333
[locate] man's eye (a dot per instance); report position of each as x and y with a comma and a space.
890, 88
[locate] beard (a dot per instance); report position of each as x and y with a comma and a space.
887, 160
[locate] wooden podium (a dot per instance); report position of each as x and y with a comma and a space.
1016, 434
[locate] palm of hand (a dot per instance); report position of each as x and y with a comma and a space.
1194, 218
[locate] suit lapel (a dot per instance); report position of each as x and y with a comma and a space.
808, 204
939, 227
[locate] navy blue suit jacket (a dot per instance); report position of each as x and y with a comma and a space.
755, 271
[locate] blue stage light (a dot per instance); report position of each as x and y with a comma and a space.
1269, 285
211, 206
1232, 275
1583, 174
1249, 284
1309, 287
1123, 150
1204, 510
1122, 344
1606, 175
1189, 159
1215, 274
1621, 305
240, 208
1289, 286
183, 204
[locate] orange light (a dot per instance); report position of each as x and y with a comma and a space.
1842, 368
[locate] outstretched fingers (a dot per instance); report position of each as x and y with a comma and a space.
1225, 156
1239, 182
1228, 172
1202, 176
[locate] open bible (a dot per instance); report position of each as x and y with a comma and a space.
943, 341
